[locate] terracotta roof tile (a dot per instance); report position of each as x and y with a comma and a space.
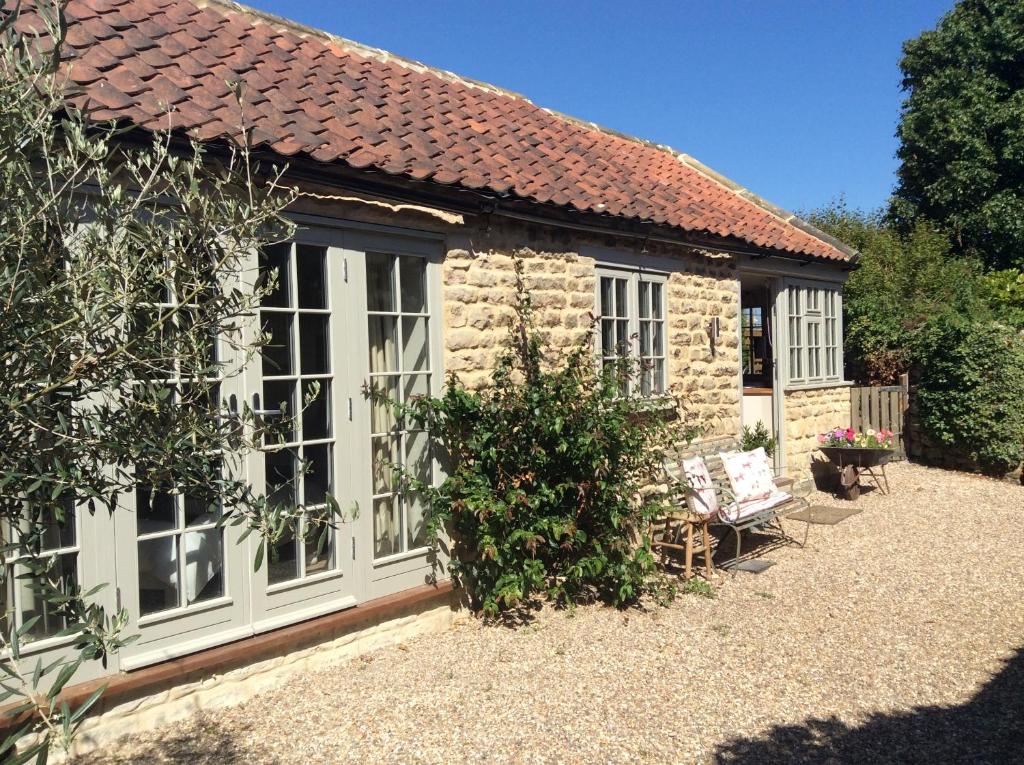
309, 93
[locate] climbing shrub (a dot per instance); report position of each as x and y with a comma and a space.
545, 471
970, 390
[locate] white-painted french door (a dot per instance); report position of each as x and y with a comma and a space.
349, 310
180, 571
307, 370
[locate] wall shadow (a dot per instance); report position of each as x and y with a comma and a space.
200, 744
987, 730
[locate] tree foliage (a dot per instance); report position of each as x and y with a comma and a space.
903, 281
962, 130
545, 472
124, 307
970, 389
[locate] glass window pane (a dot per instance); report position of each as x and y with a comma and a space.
6, 600
412, 274
387, 527
317, 478
384, 453
415, 385
607, 309
280, 477
416, 519
277, 352
623, 337
659, 376
645, 338
418, 460
313, 344
380, 289
645, 299
607, 337
646, 371
59, 530
318, 543
158, 574
316, 417
621, 299
154, 511
659, 339
382, 414
656, 301
204, 565
383, 344
283, 560
64, 573
200, 511
310, 261
279, 396
415, 349
274, 261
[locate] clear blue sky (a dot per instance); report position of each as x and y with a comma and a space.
796, 99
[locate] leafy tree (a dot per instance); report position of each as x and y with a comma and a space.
123, 308
904, 280
962, 130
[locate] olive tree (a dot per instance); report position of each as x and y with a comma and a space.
124, 307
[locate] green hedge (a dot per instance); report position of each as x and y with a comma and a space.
970, 390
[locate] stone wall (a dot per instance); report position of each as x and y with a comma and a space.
479, 292
808, 413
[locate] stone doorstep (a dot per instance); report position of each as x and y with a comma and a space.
230, 674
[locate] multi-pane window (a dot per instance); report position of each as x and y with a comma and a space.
833, 344
399, 332
632, 326
179, 542
22, 597
814, 333
297, 364
796, 334
652, 337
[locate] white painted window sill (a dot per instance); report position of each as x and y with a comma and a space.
822, 385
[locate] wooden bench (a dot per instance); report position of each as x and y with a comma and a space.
681, 527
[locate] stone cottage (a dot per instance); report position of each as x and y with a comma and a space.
419, 188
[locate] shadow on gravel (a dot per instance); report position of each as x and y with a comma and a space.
204, 744
987, 730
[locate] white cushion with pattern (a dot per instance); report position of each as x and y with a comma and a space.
702, 500
749, 474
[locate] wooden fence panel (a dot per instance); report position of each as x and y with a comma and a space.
881, 408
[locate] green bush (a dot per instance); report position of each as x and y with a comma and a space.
544, 477
751, 438
970, 390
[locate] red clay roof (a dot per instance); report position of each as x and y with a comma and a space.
306, 92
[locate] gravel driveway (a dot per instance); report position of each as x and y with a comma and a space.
895, 636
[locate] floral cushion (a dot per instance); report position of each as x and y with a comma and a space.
703, 499
749, 474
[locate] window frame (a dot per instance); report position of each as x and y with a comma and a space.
814, 333
399, 434
634, 278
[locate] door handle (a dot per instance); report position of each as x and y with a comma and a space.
263, 412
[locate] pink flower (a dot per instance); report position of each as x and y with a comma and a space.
821, 438
850, 434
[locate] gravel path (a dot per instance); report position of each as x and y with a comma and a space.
895, 636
